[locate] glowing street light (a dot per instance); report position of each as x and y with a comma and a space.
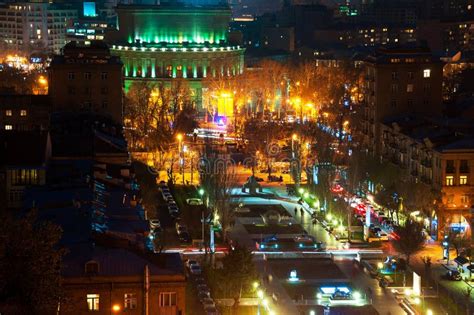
116, 308
201, 192
260, 294
255, 285
429, 312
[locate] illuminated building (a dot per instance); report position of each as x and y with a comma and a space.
32, 27
158, 43
91, 25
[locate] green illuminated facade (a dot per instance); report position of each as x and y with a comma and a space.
164, 42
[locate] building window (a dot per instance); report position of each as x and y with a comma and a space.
71, 90
103, 75
409, 88
449, 180
167, 299
394, 75
8, 127
71, 75
450, 199
104, 90
426, 73
449, 166
130, 301
463, 180
8, 112
24, 177
465, 199
93, 302
87, 104
87, 75
464, 167
393, 103
104, 104
92, 267
87, 90
426, 88
394, 88
410, 75
23, 112
410, 103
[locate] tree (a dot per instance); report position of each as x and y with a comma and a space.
410, 239
458, 241
29, 265
237, 275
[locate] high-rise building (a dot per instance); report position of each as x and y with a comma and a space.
87, 79
35, 27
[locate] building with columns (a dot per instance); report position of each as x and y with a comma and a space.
175, 40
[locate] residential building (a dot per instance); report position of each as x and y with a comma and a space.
399, 81
87, 78
24, 112
24, 156
97, 280
35, 27
440, 154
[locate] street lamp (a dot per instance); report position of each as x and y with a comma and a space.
116, 308
293, 139
181, 154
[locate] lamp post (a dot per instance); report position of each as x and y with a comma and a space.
201, 193
294, 137
180, 151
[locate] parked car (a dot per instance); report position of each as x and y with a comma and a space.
203, 295
189, 262
211, 310
208, 302
195, 270
453, 275
194, 201
155, 224
184, 237
181, 229
203, 288
173, 208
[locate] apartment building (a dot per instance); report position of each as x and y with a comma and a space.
440, 154
398, 81
24, 112
35, 27
87, 78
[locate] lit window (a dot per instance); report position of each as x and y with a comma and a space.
463, 180
130, 301
167, 299
409, 88
449, 180
8, 127
93, 302
465, 199
426, 73
23, 112
8, 112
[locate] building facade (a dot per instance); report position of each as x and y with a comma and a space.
87, 78
399, 81
435, 154
35, 27
24, 112
159, 43
110, 281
